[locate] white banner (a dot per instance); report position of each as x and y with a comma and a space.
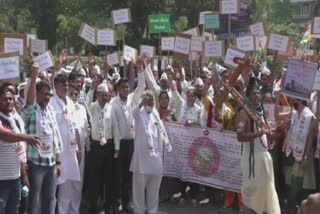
207, 157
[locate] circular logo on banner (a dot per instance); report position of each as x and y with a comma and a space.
204, 157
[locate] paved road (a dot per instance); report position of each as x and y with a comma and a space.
170, 208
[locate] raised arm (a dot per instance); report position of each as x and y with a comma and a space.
151, 82
31, 94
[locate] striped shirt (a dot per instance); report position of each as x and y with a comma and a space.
9, 161
29, 115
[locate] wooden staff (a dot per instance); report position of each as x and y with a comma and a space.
253, 115
242, 66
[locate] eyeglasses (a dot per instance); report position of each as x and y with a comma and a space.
73, 94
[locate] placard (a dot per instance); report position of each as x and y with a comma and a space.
146, 49
165, 61
45, 61
214, 49
212, 21
209, 36
193, 31
316, 84
229, 7
316, 25
88, 33
106, 37
299, 79
278, 42
257, 29
129, 53
30, 36
246, 43
290, 53
193, 56
261, 42
196, 45
38, 46
202, 17
121, 16
167, 43
113, 59
159, 23
12, 42
231, 54
182, 45
9, 65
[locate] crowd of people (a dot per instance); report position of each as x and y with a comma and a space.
96, 137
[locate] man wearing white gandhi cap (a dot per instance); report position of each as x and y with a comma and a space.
147, 163
101, 148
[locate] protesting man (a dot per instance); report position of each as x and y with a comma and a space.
44, 161
146, 163
258, 188
70, 172
123, 121
101, 150
12, 153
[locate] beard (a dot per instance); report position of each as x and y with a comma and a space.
295, 106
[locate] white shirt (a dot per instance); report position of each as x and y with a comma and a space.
122, 113
101, 121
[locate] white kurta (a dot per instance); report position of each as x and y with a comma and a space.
147, 169
258, 191
69, 163
142, 162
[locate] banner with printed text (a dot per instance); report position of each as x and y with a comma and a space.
203, 156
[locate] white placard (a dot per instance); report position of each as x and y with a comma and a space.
13, 45
246, 43
9, 66
278, 42
106, 37
146, 49
316, 25
113, 59
316, 84
202, 17
257, 29
164, 62
121, 16
182, 45
261, 42
30, 36
167, 43
45, 61
213, 48
193, 31
88, 33
196, 45
231, 53
299, 79
229, 7
207, 35
38, 46
193, 56
129, 53
199, 38
211, 158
